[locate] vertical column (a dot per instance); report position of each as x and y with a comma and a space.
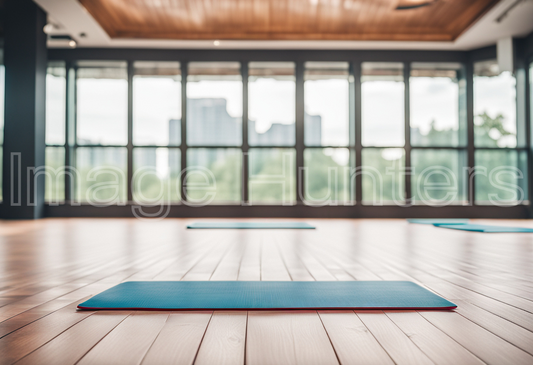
357, 100
183, 145
25, 59
300, 115
407, 125
245, 146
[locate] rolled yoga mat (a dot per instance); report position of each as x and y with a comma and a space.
485, 228
250, 225
192, 295
438, 221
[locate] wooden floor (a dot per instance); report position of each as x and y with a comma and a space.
49, 266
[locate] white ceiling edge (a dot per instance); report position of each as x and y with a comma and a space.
74, 19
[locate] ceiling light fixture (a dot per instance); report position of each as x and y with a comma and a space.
216, 43
49, 28
72, 43
413, 4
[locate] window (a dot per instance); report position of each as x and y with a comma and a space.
438, 176
501, 165
102, 103
157, 103
101, 175
156, 122
102, 120
156, 175
272, 176
328, 176
434, 100
213, 176
271, 104
326, 90
494, 106
412, 147
56, 84
501, 177
382, 104
438, 119
383, 179
214, 104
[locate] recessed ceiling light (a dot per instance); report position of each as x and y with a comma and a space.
216, 43
72, 43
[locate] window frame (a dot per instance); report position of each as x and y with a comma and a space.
355, 60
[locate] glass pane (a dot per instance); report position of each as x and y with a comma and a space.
434, 101
326, 90
494, 106
271, 109
501, 177
438, 177
382, 104
101, 175
383, 176
213, 176
214, 104
156, 175
327, 176
272, 176
102, 103
157, 103
55, 174
55, 102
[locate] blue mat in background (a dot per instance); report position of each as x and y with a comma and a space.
190, 295
250, 225
486, 228
438, 221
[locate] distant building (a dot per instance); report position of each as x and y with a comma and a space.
284, 134
313, 130
208, 123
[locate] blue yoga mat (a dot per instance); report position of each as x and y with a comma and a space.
486, 229
250, 225
189, 295
438, 221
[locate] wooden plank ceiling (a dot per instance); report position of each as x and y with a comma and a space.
442, 20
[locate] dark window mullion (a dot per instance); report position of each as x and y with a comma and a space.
245, 146
407, 125
300, 115
183, 146
130, 133
357, 94
469, 76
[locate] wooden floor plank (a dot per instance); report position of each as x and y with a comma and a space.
129, 342
75, 342
509, 331
438, 346
397, 344
295, 337
178, 341
352, 341
482, 343
224, 339
20, 343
